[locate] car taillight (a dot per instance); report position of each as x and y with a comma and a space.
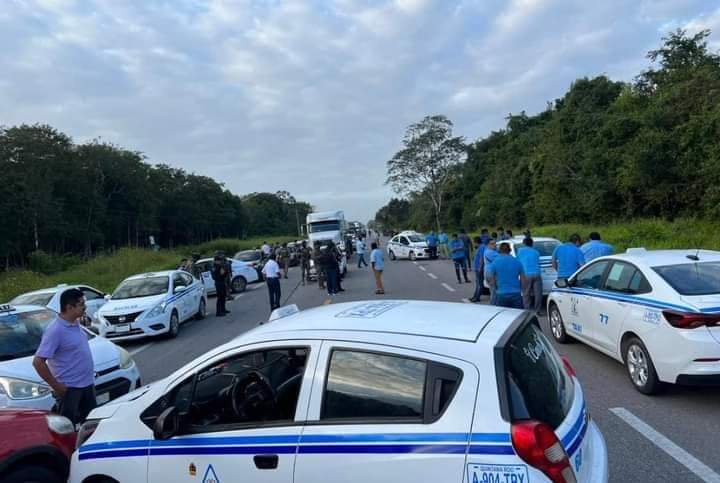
568, 367
86, 430
537, 444
690, 320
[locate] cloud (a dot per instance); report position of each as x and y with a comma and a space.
309, 96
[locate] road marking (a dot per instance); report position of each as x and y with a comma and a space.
139, 349
448, 287
432, 275
702, 471
422, 268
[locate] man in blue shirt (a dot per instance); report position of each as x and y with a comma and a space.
484, 237
478, 269
567, 258
506, 274
443, 242
596, 248
459, 256
432, 243
489, 255
532, 288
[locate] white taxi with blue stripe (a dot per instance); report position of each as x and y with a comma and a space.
545, 246
656, 311
151, 304
383, 391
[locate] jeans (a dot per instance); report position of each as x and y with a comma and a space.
361, 260
331, 276
304, 272
273, 285
76, 403
510, 300
220, 298
378, 280
478, 286
532, 292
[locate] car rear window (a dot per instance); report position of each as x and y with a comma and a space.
701, 278
20, 333
538, 386
545, 248
33, 299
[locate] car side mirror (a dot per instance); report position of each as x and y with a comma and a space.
167, 424
179, 288
107, 297
562, 283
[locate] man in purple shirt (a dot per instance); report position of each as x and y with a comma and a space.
65, 362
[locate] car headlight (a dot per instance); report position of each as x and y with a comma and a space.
86, 430
157, 310
59, 424
125, 358
21, 389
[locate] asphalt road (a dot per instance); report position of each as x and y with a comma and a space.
686, 421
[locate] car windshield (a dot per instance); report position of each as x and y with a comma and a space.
141, 287
415, 238
702, 278
546, 248
247, 256
42, 298
20, 334
320, 226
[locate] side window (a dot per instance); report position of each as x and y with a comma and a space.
180, 397
404, 241
625, 278
591, 276
395, 240
187, 279
178, 280
639, 284
90, 294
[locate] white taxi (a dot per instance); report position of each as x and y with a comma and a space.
410, 245
545, 246
390, 391
657, 311
151, 304
243, 273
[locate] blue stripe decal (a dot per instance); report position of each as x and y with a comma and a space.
573, 447
491, 449
384, 449
574, 429
113, 454
628, 298
490, 438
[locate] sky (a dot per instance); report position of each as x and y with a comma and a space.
310, 96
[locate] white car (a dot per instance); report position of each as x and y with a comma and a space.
546, 247
152, 304
50, 297
21, 329
658, 312
381, 391
243, 273
408, 245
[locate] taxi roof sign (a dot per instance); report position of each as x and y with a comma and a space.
6, 308
283, 312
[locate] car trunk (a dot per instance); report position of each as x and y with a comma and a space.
708, 304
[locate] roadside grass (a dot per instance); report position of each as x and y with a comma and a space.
105, 272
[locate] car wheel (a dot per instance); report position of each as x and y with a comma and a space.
202, 309
557, 326
413, 257
640, 367
33, 474
239, 284
392, 255
174, 325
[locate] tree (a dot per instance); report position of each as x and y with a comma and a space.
425, 163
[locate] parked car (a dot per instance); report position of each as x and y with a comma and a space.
36, 446
252, 257
545, 246
21, 329
242, 274
656, 311
410, 245
378, 391
152, 304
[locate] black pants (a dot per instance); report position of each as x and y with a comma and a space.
220, 298
77, 403
273, 285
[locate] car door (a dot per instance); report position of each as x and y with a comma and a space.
94, 299
241, 416
580, 310
180, 298
623, 281
404, 247
384, 414
193, 298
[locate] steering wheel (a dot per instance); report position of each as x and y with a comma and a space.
251, 396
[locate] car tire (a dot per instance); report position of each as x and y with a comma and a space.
640, 367
33, 474
392, 255
239, 284
202, 309
413, 257
557, 325
174, 328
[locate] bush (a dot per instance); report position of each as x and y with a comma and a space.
47, 263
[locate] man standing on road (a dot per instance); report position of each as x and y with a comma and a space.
532, 286
271, 271
329, 264
219, 275
318, 262
478, 269
377, 260
484, 237
459, 256
305, 256
501, 235
506, 275
489, 256
467, 243
443, 244
360, 249
285, 259
64, 361
265, 250
596, 248
568, 257
432, 243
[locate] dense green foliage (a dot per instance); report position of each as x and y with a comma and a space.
605, 151
62, 198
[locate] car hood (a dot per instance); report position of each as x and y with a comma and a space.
150, 392
125, 306
419, 244
104, 354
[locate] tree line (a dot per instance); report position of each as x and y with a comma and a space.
606, 150
59, 197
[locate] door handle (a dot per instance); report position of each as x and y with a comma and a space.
266, 461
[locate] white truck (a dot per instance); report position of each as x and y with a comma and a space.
328, 226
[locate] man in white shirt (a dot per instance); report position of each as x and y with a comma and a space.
360, 249
271, 271
265, 249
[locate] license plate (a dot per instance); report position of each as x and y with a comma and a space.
103, 398
122, 328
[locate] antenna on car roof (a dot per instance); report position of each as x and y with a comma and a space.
695, 257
